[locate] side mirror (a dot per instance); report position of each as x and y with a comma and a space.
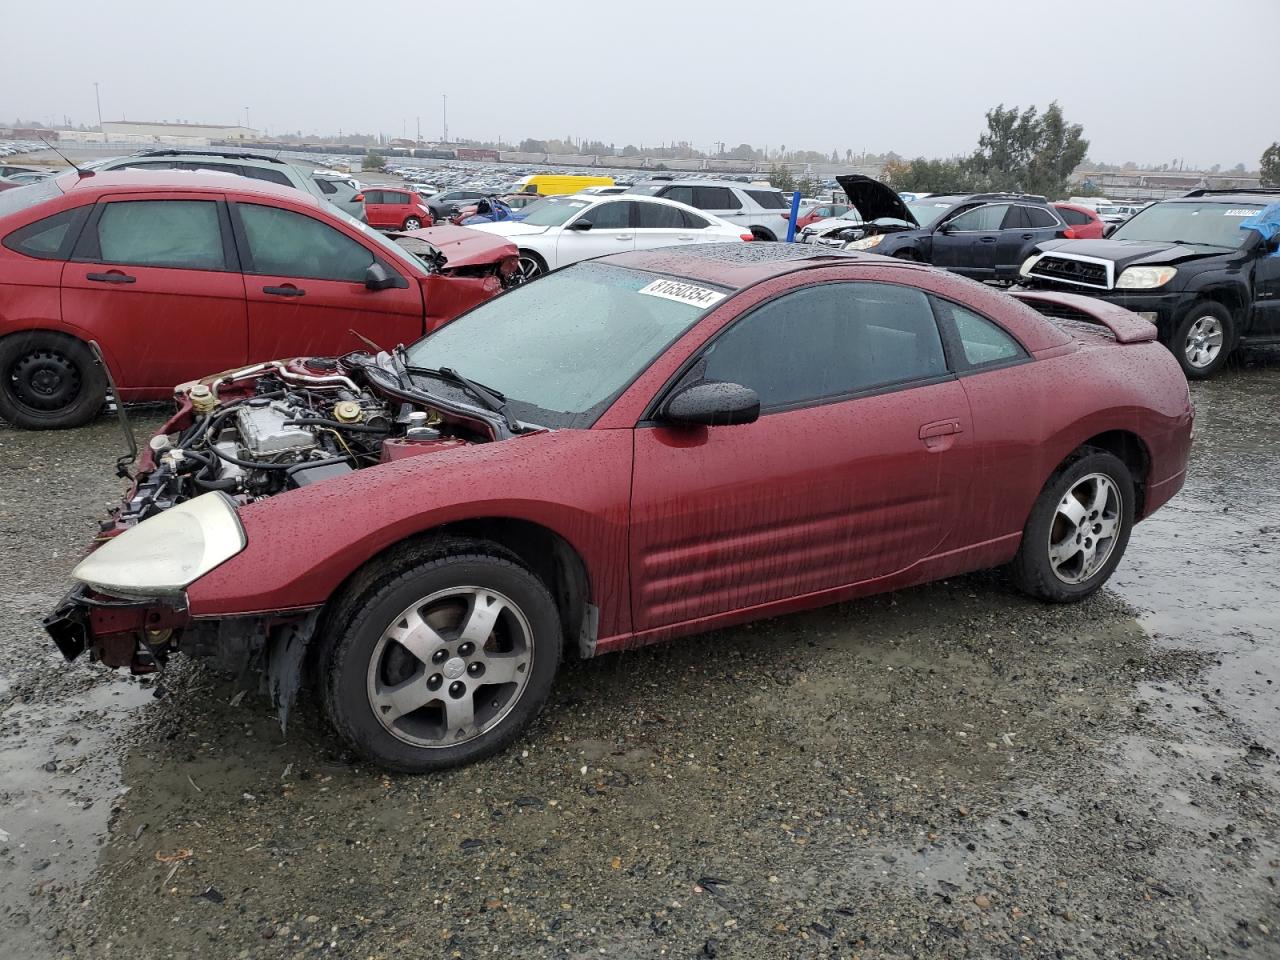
580, 225
945, 228
376, 277
1109, 229
713, 404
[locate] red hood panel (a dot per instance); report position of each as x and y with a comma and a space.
463, 247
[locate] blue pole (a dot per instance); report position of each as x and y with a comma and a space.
795, 215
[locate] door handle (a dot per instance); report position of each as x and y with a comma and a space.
288, 290
111, 276
987, 240
685, 236
625, 236
940, 428
1028, 236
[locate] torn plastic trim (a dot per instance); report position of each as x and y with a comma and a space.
1125, 325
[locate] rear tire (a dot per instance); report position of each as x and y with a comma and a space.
1078, 529
412, 223
1204, 339
443, 664
761, 233
49, 381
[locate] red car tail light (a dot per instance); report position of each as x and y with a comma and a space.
1070, 233
358, 198
747, 236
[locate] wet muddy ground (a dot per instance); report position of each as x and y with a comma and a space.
950, 771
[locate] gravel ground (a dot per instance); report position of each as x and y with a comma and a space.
949, 771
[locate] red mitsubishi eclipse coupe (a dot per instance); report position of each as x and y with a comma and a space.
626, 450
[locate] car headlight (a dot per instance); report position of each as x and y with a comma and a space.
1027, 264
866, 243
1144, 278
165, 553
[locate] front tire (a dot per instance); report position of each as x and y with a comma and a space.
49, 381
412, 223
1203, 340
1078, 529
531, 266
443, 664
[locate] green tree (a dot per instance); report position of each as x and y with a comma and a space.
1028, 151
1270, 165
930, 176
373, 160
781, 178
808, 186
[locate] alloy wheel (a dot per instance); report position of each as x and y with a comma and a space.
1084, 528
413, 223
1204, 341
529, 268
450, 667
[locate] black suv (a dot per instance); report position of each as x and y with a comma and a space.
986, 236
1188, 267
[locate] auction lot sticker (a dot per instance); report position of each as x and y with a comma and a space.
683, 293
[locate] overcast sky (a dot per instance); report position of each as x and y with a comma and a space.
1150, 80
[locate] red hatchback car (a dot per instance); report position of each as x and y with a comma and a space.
626, 450
390, 208
176, 273
1082, 222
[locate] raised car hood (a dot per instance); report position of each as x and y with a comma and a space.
873, 200
463, 246
509, 228
1128, 253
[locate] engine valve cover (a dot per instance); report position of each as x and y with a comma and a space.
264, 431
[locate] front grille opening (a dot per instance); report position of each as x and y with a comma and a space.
1072, 271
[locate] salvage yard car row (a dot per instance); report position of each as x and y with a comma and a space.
678, 427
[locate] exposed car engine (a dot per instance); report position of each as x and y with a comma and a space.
277, 426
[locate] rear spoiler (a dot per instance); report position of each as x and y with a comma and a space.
1126, 326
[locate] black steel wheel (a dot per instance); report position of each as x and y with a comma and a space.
49, 381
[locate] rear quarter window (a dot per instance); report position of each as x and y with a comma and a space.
50, 238
769, 199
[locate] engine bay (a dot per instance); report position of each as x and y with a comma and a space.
278, 426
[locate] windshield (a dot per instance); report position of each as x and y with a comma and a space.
927, 211
563, 347
1215, 224
851, 214
552, 211
23, 198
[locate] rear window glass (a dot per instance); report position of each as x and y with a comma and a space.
271, 176
769, 199
1073, 217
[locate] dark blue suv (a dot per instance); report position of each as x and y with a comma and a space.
986, 236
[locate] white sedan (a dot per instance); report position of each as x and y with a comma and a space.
558, 231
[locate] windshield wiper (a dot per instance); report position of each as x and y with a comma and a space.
493, 400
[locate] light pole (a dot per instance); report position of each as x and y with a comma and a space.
246, 121
444, 113
98, 100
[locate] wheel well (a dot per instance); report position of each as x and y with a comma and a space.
547, 555
534, 254
1132, 452
1230, 297
763, 233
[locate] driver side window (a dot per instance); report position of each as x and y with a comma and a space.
615, 215
287, 244
981, 219
829, 341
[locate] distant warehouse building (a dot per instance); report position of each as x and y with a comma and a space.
173, 134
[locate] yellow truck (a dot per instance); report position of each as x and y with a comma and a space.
556, 184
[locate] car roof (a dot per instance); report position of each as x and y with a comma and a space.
149, 181
1249, 198
738, 265
707, 182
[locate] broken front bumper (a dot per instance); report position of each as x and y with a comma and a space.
117, 632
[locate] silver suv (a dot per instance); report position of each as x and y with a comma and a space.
251, 165
759, 209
